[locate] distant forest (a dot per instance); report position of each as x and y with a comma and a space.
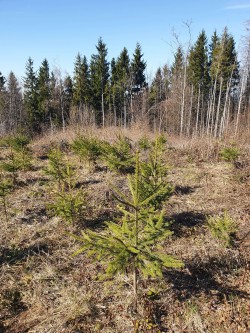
205, 91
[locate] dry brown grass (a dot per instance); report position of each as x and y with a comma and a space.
43, 289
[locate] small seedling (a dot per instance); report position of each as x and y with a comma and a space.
223, 228
5, 188
229, 154
119, 156
69, 205
144, 143
88, 149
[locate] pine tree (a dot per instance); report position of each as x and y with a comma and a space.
99, 75
31, 98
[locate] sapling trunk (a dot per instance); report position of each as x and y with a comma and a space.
5, 208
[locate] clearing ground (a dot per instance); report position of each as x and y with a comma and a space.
43, 289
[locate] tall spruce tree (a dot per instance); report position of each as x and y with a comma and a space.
31, 98
177, 66
224, 64
44, 93
66, 98
138, 66
81, 82
159, 86
99, 75
121, 78
198, 73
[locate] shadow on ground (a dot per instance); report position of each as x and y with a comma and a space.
185, 221
11, 256
200, 278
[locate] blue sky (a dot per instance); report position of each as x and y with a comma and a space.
58, 30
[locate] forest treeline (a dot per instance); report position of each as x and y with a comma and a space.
204, 91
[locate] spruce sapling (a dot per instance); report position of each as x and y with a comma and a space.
89, 150
119, 156
68, 202
154, 175
134, 243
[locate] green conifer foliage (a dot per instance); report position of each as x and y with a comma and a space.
5, 188
154, 175
99, 75
134, 244
198, 64
224, 64
223, 228
44, 92
81, 83
90, 149
138, 66
57, 167
31, 98
67, 201
119, 156
19, 157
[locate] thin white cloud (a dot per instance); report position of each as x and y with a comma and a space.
234, 7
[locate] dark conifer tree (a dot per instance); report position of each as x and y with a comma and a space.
31, 98
224, 64
99, 75
198, 73
138, 66
44, 92
121, 73
81, 82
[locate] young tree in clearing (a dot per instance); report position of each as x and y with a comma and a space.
99, 75
31, 98
134, 244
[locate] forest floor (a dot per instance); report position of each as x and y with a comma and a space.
44, 289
